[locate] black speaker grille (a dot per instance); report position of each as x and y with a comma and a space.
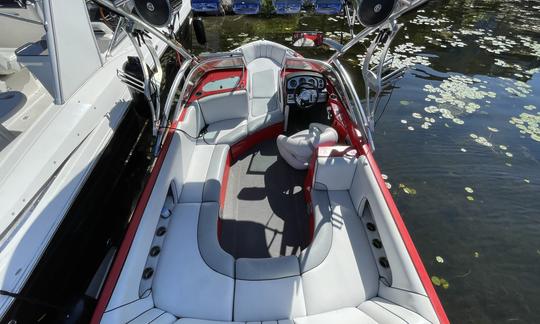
155, 12
374, 12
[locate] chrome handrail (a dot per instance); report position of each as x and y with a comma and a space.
365, 124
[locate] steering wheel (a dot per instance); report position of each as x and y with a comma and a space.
306, 95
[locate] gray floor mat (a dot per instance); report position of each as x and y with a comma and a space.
265, 211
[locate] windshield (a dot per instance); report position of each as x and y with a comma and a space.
211, 63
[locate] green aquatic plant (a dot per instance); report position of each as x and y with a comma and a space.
528, 124
440, 282
407, 190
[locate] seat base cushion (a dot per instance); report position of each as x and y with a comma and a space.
267, 268
384, 311
184, 285
205, 174
227, 131
297, 156
267, 300
297, 149
348, 315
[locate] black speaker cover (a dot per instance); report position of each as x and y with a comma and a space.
155, 12
373, 12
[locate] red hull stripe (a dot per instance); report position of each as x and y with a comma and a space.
121, 257
411, 249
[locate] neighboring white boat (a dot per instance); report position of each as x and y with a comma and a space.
60, 104
226, 180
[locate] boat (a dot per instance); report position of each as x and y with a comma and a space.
284, 7
65, 88
265, 204
246, 7
328, 7
207, 6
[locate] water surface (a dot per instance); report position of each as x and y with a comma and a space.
459, 141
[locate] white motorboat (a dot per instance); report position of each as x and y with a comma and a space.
265, 204
61, 102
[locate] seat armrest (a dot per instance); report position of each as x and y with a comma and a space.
193, 121
334, 172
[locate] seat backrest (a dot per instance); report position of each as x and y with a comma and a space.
223, 106
193, 121
334, 173
259, 49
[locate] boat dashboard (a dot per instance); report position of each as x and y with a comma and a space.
305, 89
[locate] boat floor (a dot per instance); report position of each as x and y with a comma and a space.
265, 212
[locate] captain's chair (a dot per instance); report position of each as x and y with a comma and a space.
297, 149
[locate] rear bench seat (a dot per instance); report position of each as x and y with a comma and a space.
335, 280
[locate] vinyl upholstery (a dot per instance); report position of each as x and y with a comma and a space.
298, 148
334, 280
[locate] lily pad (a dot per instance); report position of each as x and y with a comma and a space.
469, 189
439, 259
436, 280
470, 198
444, 283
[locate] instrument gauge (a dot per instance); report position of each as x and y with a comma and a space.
293, 83
302, 80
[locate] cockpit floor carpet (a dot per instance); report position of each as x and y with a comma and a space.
265, 212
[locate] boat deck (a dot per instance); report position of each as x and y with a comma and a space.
265, 212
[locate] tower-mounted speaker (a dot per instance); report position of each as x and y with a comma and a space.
373, 12
157, 13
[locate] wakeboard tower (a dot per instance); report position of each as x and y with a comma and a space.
265, 203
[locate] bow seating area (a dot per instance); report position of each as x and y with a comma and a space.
177, 272
247, 111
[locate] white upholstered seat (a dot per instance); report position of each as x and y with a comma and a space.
184, 284
298, 148
264, 64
